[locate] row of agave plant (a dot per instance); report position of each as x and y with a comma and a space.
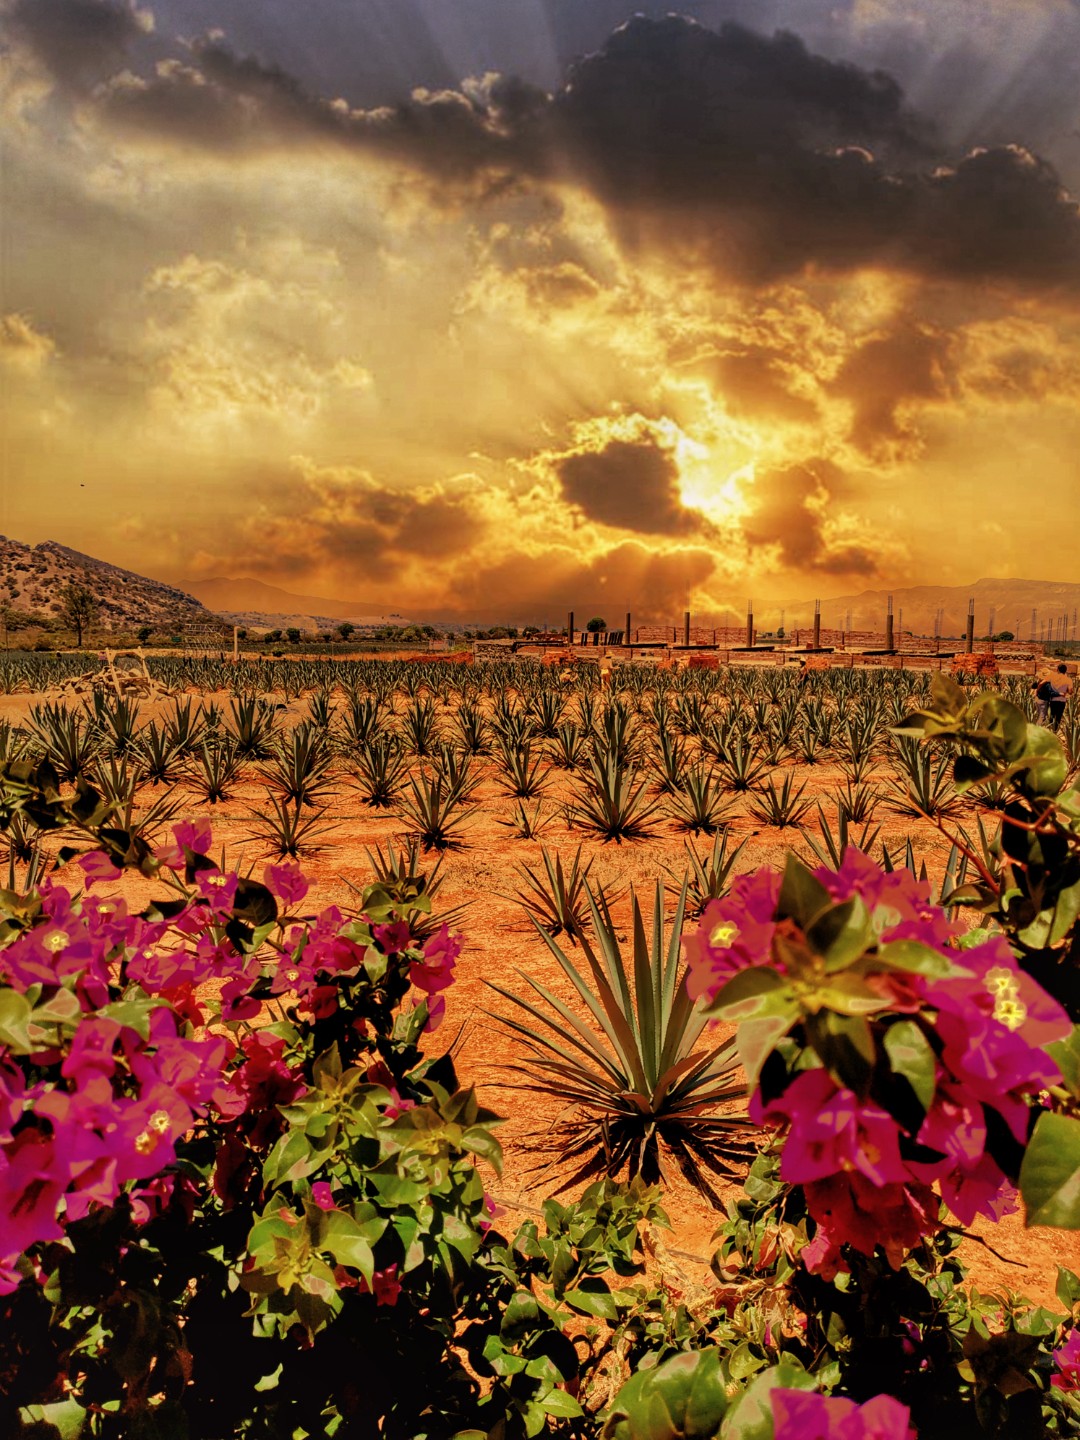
910, 1071
695, 749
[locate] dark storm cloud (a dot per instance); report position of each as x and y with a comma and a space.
912, 364
632, 485
333, 520
788, 509
746, 153
78, 41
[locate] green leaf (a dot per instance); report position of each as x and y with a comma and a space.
592, 1297
751, 1415
14, 1018
911, 1055
1068, 1287
1050, 1173
802, 897
1066, 1056
560, 1402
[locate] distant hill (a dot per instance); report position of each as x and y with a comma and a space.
1011, 600
32, 577
246, 597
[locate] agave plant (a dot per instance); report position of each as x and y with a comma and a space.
924, 784
379, 771
705, 878
614, 802
527, 822
638, 1087
522, 773
215, 768
65, 741
556, 900
434, 813
299, 766
701, 805
286, 827
833, 844
742, 770
159, 754
779, 807
568, 747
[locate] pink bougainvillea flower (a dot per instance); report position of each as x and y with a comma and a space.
849, 1209
434, 971
392, 938
735, 933
193, 835
96, 865
385, 1286
323, 1195
92, 1049
32, 1180
287, 881
1067, 1360
218, 888
831, 1130
803, 1415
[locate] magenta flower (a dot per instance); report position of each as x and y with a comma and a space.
287, 881
392, 938
802, 1415
735, 933
1067, 1360
195, 836
831, 1130
32, 1180
434, 971
96, 865
323, 1195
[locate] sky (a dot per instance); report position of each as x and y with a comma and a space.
492, 308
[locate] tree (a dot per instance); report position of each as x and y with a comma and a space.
273, 636
78, 607
143, 634
293, 634
1005, 635
346, 629
596, 623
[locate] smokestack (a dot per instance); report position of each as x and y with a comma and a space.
628, 627
749, 623
570, 627
686, 629
889, 626
817, 624
970, 643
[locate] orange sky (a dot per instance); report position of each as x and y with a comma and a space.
714, 313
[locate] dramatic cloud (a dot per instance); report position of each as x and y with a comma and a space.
628, 484
750, 153
78, 41
883, 375
792, 510
644, 308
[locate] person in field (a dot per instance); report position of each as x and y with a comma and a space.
1061, 688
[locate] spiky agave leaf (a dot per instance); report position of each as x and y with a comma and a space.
625, 1061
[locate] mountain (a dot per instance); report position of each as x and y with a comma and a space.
1011, 600
246, 596
33, 576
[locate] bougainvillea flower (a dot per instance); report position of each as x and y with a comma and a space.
323, 1195
96, 865
392, 938
1067, 1360
385, 1286
434, 971
831, 1130
287, 881
735, 933
31, 1183
193, 835
803, 1415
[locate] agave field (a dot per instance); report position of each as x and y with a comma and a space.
494, 1050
